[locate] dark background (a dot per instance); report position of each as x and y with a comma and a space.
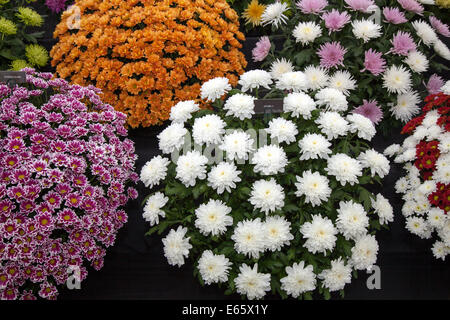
135, 268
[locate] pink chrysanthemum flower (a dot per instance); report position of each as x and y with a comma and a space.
261, 49
439, 26
434, 84
312, 6
373, 62
360, 5
411, 5
370, 110
331, 54
394, 15
335, 20
402, 43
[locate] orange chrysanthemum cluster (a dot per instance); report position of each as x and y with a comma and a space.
146, 55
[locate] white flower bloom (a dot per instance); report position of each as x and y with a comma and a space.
441, 49
427, 187
251, 283
214, 89
359, 123
213, 218
446, 88
176, 246
269, 160
430, 2
152, 209
190, 167
407, 106
444, 142
154, 171
320, 234
314, 187
430, 119
292, 81
337, 277
314, 146
425, 32
280, 67
444, 233
278, 232
274, 14
417, 61
364, 253
418, 226
344, 168
208, 129
440, 250
352, 220
366, 29
392, 150
172, 138
332, 99
249, 238
306, 32
241, 106
436, 217
317, 77
267, 195
383, 208
376, 162
397, 79
255, 79
223, 177
299, 279
402, 185
283, 130
300, 104
237, 145
342, 81
442, 172
332, 124
213, 268
182, 111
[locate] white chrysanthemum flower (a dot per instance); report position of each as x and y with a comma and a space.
255, 79
418, 226
249, 238
402, 185
364, 253
152, 208
300, 104
251, 283
444, 232
190, 167
441, 49
383, 209
337, 277
397, 79
442, 172
344, 168
425, 32
314, 187
299, 279
427, 187
407, 106
223, 177
362, 125
417, 61
176, 246
314, 146
208, 129
172, 138
320, 234
407, 155
342, 81
154, 171
274, 14
332, 99
446, 88
278, 233
410, 143
292, 81
408, 208
280, 67
269, 160
215, 89
332, 124
283, 130
241, 106
430, 119
267, 195
213, 218
182, 111
376, 162
237, 145
352, 220
213, 268
306, 32
440, 250
317, 77
366, 29
392, 150
436, 217
444, 142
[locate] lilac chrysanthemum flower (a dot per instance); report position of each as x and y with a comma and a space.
394, 15
373, 62
370, 110
331, 54
56, 5
335, 20
311, 6
439, 26
435, 84
261, 49
360, 5
411, 5
402, 43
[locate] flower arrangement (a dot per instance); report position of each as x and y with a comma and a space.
146, 56
371, 50
18, 47
66, 165
293, 216
426, 185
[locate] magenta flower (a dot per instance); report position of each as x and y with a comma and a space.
261, 49
411, 5
335, 20
331, 54
312, 6
360, 5
56, 5
394, 15
402, 43
434, 84
373, 62
371, 110
439, 26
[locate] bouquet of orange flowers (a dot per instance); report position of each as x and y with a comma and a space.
147, 55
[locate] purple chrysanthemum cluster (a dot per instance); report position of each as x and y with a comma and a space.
56, 5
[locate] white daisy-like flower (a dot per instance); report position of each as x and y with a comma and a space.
364, 253
419, 227
392, 150
314, 146
342, 81
213, 268
436, 217
440, 250
446, 88
317, 77
407, 208
352, 220
283, 130
208, 129
249, 238
269, 160
441, 49
299, 279
172, 138
190, 167
274, 14
397, 79
223, 177
444, 233
425, 32
427, 187
213, 218
306, 32
362, 125
278, 232
417, 61
442, 172
407, 106
332, 124
402, 185
182, 111
430, 119
366, 29
154, 171
320, 234
268, 196
332, 99
255, 79
383, 209
292, 81
241, 106
252, 283
344, 168
376, 162
444, 142
237, 145
314, 187
300, 104
280, 67
152, 208
176, 246
215, 89
337, 277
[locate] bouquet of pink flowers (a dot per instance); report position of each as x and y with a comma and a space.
65, 170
